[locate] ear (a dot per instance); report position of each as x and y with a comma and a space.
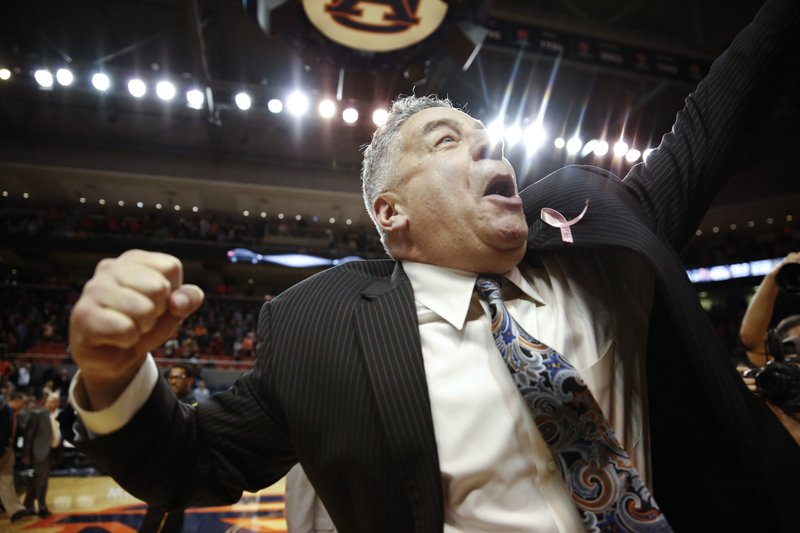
389, 213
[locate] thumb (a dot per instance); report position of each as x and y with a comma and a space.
182, 302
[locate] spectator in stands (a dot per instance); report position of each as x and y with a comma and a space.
189, 346
201, 392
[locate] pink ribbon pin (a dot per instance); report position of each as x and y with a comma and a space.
553, 218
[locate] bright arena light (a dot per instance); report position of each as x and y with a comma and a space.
574, 145
243, 101
275, 106
101, 82
620, 148
496, 131
195, 98
633, 155
44, 78
327, 108
165, 90
64, 77
600, 148
297, 104
513, 135
137, 88
559, 143
350, 115
5, 74
534, 136
647, 153
379, 117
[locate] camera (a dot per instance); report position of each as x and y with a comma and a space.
788, 277
779, 382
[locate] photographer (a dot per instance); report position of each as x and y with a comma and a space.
780, 344
754, 332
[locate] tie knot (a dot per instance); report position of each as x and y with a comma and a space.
490, 288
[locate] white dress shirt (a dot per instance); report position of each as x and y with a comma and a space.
497, 472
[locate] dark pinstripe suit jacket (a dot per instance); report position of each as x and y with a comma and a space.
340, 386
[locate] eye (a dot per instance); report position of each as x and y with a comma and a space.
446, 139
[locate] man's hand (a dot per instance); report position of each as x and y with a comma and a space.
128, 308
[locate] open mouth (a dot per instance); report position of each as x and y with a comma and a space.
501, 186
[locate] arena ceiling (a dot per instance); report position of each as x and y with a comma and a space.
64, 143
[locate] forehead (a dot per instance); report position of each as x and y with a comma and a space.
430, 119
176, 371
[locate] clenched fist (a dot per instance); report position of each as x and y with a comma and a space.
128, 308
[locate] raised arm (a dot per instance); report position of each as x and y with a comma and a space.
680, 178
128, 308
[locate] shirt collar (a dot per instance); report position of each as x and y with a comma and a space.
448, 291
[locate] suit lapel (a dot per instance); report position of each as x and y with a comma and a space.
386, 323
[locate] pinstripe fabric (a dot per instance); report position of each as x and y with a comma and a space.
339, 382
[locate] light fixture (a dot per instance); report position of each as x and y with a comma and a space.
574, 145
5, 74
297, 103
195, 209
495, 130
101, 82
534, 137
137, 88
243, 101
165, 90
195, 98
350, 115
275, 106
513, 135
44, 78
327, 108
600, 148
620, 148
632, 155
64, 77
379, 117
559, 143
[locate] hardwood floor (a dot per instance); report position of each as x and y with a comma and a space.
97, 504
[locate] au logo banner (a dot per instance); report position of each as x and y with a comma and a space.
376, 25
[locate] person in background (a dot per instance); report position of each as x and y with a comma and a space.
201, 392
40, 446
304, 511
180, 380
8, 430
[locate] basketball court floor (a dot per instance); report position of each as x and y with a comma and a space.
96, 504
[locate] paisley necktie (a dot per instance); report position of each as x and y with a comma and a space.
598, 472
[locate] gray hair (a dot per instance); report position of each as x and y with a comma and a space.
381, 153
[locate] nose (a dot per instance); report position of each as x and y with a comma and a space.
484, 147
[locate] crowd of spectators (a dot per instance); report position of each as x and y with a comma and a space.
162, 226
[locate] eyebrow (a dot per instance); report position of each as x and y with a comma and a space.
447, 123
